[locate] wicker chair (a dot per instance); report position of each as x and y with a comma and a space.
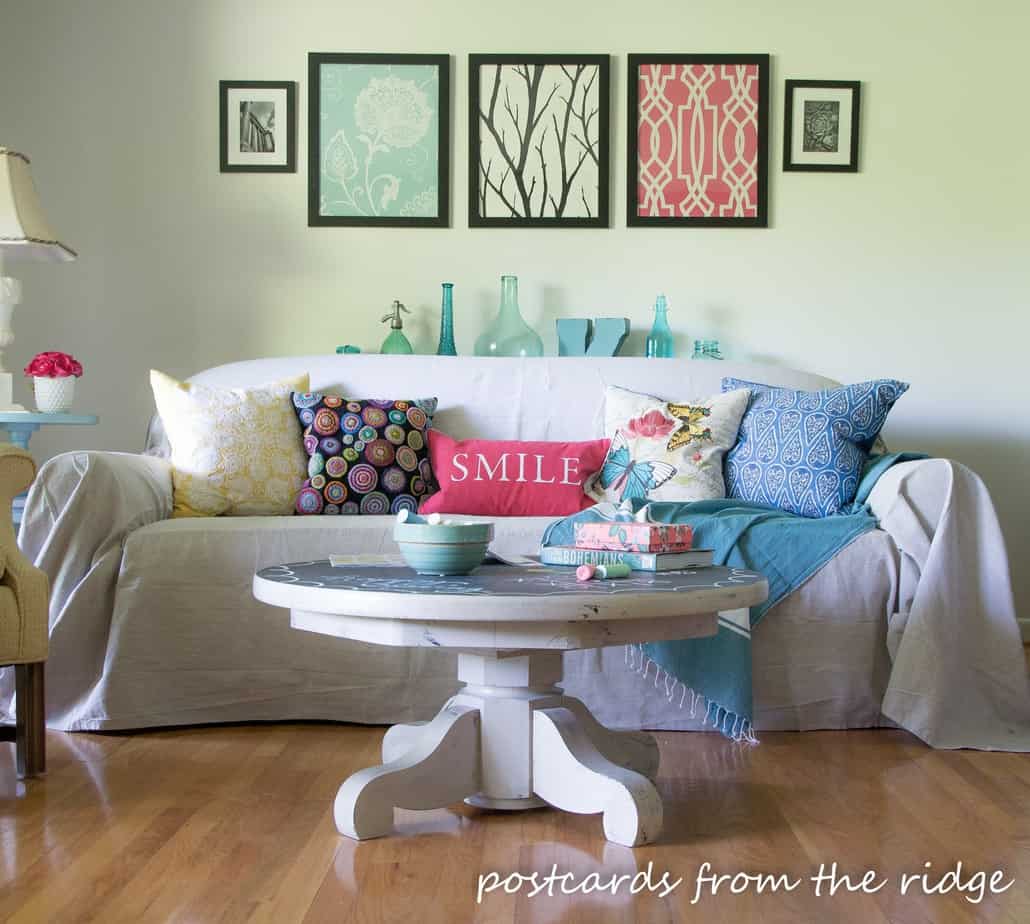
23, 618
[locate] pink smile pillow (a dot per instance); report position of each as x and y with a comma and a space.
509, 478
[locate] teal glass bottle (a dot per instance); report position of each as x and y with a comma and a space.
659, 341
446, 346
509, 334
396, 342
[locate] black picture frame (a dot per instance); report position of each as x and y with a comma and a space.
789, 164
224, 86
443, 217
602, 218
761, 217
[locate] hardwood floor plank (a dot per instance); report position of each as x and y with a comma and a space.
235, 824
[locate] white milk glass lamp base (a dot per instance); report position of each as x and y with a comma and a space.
10, 296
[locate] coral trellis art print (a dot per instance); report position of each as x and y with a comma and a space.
538, 140
698, 146
378, 139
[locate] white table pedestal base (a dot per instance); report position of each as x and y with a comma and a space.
510, 740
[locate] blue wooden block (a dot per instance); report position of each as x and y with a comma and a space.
573, 334
608, 337
585, 337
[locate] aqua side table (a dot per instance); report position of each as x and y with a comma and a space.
20, 425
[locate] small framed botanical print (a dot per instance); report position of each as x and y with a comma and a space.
258, 126
820, 125
378, 140
538, 141
698, 140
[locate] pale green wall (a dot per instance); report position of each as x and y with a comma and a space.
916, 267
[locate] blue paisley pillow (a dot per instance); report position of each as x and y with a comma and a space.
803, 451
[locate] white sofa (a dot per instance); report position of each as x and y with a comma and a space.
153, 622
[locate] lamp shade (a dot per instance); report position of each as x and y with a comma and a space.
24, 232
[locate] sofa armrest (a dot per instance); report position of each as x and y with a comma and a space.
958, 675
84, 503
909, 498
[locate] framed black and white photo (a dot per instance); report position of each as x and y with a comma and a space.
378, 140
257, 126
538, 140
820, 125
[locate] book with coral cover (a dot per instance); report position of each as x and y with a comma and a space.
634, 537
638, 561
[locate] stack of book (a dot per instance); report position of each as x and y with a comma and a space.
642, 546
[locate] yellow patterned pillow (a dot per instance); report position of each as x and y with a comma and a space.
235, 451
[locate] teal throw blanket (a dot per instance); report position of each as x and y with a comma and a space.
786, 548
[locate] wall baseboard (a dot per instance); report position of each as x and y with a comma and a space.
1024, 627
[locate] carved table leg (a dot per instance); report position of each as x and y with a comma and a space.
633, 750
401, 738
440, 768
571, 774
510, 740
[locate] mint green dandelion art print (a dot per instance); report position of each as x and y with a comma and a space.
378, 129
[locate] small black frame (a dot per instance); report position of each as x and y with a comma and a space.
761, 218
788, 125
224, 86
443, 64
602, 218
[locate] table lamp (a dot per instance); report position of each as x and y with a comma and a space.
24, 234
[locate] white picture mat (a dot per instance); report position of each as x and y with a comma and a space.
846, 97
237, 95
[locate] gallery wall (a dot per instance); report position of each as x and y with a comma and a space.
915, 267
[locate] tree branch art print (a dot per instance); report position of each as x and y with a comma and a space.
698, 144
378, 139
538, 140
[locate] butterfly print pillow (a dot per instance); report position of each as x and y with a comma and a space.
666, 450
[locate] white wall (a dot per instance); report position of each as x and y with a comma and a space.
916, 267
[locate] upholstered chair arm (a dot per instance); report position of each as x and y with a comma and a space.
23, 587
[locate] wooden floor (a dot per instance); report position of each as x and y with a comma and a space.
235, 824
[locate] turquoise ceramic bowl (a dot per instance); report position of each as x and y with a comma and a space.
454, 548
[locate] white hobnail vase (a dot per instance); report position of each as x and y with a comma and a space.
54, 396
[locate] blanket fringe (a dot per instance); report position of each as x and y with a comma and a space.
730, 724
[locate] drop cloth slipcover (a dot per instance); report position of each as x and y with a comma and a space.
153, 622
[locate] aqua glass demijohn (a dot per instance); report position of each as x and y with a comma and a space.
659, 341
509, 334
446, 346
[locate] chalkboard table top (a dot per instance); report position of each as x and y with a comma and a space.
519, 592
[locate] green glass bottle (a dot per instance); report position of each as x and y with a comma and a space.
446, 345
659, 341
396, 342
509, 334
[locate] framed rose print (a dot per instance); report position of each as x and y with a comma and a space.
538, 140
378, 140
698, 152
820, 125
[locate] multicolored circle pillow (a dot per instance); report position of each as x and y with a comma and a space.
364, 456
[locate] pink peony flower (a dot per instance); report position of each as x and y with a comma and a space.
651, 424
54, 365
696, 457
